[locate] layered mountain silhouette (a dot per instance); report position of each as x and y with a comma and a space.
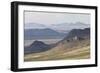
76, 38
61, 26
42, 34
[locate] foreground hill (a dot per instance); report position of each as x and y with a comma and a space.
79, 50
36, 47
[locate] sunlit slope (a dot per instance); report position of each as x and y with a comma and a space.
65, 50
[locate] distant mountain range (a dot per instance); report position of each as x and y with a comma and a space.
42, 34
75, 38
70, 26
61, 26
35, 26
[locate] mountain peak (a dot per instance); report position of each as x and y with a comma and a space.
38, 43
81, 33
36, 47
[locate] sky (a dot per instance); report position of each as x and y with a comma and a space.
53, 19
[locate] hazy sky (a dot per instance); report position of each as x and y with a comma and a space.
55, 18
48, 18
